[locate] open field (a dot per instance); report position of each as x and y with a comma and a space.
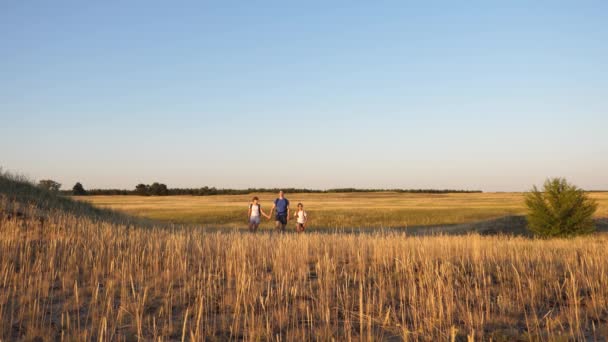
72, 278
72, 272
350, 210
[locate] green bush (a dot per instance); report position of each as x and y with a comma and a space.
560, 210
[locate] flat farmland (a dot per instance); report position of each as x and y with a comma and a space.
332, 210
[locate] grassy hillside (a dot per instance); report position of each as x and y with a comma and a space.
20, 197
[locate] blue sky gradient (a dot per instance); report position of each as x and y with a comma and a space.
441, 94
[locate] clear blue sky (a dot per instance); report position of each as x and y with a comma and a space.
491, 95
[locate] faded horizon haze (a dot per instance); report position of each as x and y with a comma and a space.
495, 96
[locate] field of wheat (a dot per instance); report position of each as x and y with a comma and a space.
67, 277
339, 211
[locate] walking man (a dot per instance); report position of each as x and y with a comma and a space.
281, 205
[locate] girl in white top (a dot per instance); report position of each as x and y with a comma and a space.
253, 216
301, 218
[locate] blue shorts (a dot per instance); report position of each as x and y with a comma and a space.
282, 218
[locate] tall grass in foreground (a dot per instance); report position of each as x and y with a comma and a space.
77, 279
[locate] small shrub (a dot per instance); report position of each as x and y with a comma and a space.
560, 210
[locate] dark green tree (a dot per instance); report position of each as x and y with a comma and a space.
142, 190
78, 190
158, 189
560, 210
49, 185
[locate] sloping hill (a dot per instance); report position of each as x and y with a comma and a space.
19, 198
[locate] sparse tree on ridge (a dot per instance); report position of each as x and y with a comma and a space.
560, 210
49, 185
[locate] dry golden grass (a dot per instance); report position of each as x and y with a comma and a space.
78, 279
349, 210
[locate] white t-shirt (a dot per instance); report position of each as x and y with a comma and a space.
302, 216
255, 210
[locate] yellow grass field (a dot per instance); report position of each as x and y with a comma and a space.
75, 279
70, 272
348, 210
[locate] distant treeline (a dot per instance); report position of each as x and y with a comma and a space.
412, 191
158, 189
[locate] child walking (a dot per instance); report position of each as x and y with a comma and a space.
255, 211
301, 218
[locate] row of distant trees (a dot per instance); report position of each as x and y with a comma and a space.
154, 189
160, 189
51, 185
